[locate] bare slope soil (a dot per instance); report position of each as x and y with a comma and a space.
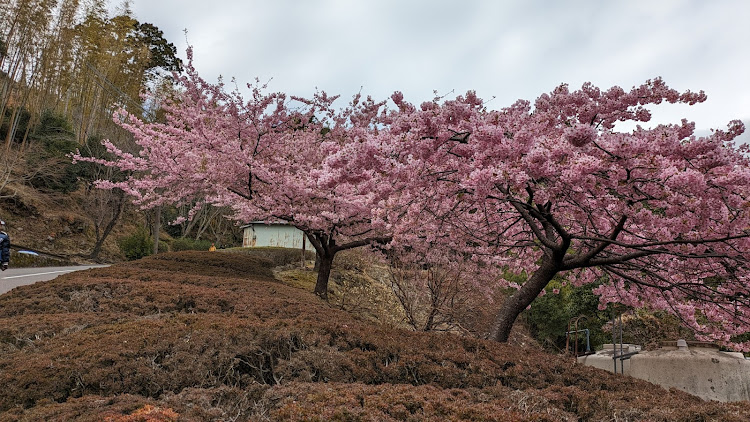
212, 336
58, 224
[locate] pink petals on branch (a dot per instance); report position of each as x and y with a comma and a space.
580, 135
656, 216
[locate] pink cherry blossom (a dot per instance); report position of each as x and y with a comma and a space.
269, 157
580, 134
658, 217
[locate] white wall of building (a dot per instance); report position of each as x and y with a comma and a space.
258, 235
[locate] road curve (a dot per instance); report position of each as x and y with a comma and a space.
14, 277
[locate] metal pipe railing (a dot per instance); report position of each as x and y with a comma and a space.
622, 355
588, 342
573, 329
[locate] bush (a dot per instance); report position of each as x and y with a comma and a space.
56, 139
550, 314
187, 244
19, 117
649, 329
137, 245
212, 336
278, 256
147, 413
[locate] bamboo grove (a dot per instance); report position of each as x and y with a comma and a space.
75, 60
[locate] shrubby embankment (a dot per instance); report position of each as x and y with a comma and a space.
213, 336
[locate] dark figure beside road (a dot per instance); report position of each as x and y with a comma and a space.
4, 247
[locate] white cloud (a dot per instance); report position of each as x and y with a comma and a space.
504, 49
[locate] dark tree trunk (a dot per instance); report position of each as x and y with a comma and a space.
521, 299
119, 198
324, 273
326, 249
157, 228
304, 251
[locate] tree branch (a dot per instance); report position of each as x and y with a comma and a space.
364, 242
578, 260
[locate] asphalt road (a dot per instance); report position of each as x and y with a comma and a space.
14, 277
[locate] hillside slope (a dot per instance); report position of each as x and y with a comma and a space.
195, 336
58, 224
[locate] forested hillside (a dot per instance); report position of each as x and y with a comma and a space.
65, 67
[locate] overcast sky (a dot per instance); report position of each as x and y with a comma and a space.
502, 49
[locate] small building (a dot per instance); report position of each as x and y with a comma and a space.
281, 235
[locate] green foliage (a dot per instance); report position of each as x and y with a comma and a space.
55, 132
163, 53
137, 245
18, 118
170, 213
187, 244
649, 328
90, 172
56, 139
550, 314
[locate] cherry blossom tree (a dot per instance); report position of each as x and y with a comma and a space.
266, 158
658, 216
655, 216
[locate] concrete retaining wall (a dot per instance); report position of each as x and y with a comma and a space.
698, 369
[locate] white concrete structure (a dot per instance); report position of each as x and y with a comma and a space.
694, 367
261, 234
603, 358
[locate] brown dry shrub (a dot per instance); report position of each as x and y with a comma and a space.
628, 399
193, 404
231, 345
220, 404
278, 257
212, 264
28, 330
83, 409
147, 413
387, 402
147, 357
